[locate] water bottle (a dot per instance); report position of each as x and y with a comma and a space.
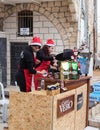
62, 84
63, 88
42, 84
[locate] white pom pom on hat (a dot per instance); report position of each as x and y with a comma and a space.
50, 42
36, 41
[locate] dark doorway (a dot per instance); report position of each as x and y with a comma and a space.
16, 49
3, 61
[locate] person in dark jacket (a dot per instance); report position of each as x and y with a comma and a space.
27, 65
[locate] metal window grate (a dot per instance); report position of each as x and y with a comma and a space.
25, 23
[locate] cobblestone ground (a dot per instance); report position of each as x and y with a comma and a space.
96, 75
94, 122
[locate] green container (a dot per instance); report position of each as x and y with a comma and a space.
74, 70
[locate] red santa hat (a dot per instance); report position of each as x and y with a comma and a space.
50, 42
36, 41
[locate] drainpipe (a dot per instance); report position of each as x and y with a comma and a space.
95, 46
79, 26
86, 22
0, 73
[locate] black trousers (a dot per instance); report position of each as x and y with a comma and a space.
20, 78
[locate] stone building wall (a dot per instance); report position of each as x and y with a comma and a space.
61, 14
56, 20
1, 16
90, 4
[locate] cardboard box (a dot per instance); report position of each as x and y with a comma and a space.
53, 92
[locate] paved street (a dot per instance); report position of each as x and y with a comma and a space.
96, 75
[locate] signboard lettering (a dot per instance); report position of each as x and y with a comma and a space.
24, 31
65, 105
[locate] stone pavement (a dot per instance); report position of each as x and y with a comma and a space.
96, 75
94, 112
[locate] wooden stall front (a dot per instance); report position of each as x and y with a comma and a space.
38, 111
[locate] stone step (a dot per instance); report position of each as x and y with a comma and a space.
91, 128
5, 128
94, 123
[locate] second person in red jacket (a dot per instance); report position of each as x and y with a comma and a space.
45, 58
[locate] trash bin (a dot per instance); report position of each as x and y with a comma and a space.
84, 59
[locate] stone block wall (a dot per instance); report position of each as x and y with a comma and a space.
56, 20
1, 16
60, 17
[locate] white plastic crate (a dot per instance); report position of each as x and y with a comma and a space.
96, 84
94, 97
97, 90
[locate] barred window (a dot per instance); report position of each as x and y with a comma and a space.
25, 23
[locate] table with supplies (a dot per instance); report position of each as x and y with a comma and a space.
50, 110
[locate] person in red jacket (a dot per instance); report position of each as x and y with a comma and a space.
45, 57
27, 65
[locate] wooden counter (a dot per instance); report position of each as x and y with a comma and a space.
38, 111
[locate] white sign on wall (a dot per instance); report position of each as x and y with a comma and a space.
24, 31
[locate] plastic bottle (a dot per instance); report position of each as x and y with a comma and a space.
63, 88
42, 84
62, 84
